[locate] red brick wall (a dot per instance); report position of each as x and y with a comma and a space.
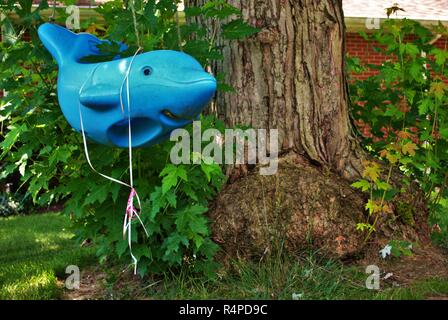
79, 2
358, 47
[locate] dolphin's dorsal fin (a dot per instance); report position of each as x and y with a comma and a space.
66, 46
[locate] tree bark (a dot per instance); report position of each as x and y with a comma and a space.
291, 77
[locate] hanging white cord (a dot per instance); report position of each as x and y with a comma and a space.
126, 81
131, 212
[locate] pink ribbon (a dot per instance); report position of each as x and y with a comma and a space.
130, 215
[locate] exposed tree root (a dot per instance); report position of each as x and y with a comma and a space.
304, 206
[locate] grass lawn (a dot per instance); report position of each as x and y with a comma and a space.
34, 250
284, 279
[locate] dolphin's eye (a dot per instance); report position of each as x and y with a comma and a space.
169, 114
147, 71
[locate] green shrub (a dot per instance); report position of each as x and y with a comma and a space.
40, 145
402, 110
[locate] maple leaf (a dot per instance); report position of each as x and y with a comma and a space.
409, 148
404, 135
438, 88
362, 184
373, 207
393, 159
440, 55
372, 171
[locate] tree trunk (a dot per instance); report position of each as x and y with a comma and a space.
291, 77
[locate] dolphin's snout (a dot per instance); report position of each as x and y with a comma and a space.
200, 94
190, 76
208, 85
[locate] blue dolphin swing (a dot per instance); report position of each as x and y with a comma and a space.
127, 103
167, 89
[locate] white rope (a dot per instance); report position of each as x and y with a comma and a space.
131, 212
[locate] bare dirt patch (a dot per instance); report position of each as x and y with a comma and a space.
426, 263
92, 286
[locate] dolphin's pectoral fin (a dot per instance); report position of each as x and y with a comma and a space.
100, 97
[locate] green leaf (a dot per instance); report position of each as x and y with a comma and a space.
170, 175
172, 248
382, 185
222, 85
392, 111
192, 11
98, 194
169, 182
210, 170
11, 138
141, 250
444, 133
61, 154
425, 106
157, 202
188, 189
416, 71
219, 9
364, 226
364, 185
441, 56
121, 247
209, 248
191, 221
410, 49
370, 206
238, 29
171, 198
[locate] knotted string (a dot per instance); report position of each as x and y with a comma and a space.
131, 212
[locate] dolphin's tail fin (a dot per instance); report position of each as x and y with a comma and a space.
58, 40
66, 46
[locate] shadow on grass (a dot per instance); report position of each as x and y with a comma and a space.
34, 251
